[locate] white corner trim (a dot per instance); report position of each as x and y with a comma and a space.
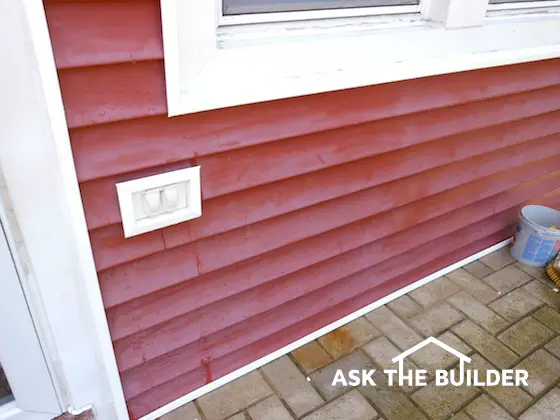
47, 220
209, 67
154, 415
455, 13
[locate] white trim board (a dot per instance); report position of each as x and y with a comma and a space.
46, 218
154, 415
208, 66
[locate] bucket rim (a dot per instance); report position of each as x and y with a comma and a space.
535, 225
539, 205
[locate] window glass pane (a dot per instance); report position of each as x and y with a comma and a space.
513, 1
5, 392
237, 7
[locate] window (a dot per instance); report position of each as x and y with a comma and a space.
221, 53
516, 7
238, 7
516, 1
523, 5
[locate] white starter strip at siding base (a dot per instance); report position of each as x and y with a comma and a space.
154, 415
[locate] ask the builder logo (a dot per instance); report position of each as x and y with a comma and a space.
463, 376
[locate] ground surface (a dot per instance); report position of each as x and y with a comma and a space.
499, 312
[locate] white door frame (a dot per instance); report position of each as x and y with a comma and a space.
21, 354
44, 216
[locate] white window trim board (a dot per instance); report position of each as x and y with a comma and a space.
247, 68
46, 219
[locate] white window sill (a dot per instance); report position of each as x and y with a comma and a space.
244, 70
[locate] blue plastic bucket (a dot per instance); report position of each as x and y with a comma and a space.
535, 243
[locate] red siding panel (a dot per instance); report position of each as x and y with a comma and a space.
195, 324
129, 31
313, 207
102, 209
360, 284
273, 200
238, 170
186, 262
145, 312
158, 140
94, 95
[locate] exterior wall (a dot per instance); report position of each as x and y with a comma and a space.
313, 207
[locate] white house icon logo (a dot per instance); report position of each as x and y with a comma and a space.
419, 377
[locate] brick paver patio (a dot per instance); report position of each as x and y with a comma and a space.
499, 312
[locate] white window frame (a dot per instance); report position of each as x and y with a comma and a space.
211, 63
524, 5
310, 15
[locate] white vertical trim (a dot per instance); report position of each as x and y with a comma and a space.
466, 13
171, 62
189, 42
455, 13
47, 219
154, 415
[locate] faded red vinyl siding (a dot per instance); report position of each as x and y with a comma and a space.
313, 207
